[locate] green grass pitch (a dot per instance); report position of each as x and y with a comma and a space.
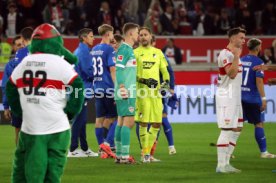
195, 160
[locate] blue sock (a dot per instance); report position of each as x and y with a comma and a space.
260, 138
105, 131
168, 130
99, 134
138, 134
111, 133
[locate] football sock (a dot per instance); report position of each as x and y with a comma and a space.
99, 135
111, 133
125, 139
260, 138
144, 140
233, 138
118, 143
222, 147
168, 130
152, 137
138, 134
105, 132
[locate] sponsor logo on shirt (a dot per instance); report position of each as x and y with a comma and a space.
114, 59
120, 58
148, 65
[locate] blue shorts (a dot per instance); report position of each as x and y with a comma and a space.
165, 106
105, 107
252, 113
16, 121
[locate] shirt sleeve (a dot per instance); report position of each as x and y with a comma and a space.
111, 59
85, 63
69, 73
226, 59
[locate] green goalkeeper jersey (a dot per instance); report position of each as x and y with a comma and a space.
150, 62
125, 70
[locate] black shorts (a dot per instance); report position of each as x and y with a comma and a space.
252, 112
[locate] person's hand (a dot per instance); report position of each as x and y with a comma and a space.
271, 81
7, 114
263, 107
260, 68
151, 83
123, 92
236, 52
165, 88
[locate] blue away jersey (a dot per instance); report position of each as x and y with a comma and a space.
250, 93
84, 66
10, 66
103, 57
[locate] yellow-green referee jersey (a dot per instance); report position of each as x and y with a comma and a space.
150, 62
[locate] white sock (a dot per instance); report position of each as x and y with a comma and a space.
222, 147
232, 144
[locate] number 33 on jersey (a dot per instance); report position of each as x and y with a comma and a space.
103, 57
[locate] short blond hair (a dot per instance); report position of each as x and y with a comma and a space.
103, 29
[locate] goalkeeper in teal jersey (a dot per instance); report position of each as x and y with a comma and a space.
125, 93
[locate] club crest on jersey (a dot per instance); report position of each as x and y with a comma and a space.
131, 109
227, 121
224, 61
120, 58
148, 65
114, 59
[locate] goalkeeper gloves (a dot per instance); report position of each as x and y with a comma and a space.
165, 87
151, 83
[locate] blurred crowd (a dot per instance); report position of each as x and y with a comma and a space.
164, 17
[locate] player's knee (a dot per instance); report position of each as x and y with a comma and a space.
239, 129
143, 124
156, 125
259, 125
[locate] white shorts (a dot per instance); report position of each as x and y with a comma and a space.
229, 115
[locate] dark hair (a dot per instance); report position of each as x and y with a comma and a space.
104, 29
15, 39
153, 38
145, 28
118, 38
129, 26
236, 31
253, 43
83, 33
26, 33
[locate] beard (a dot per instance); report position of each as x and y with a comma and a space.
145, 43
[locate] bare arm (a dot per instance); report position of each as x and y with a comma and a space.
113, 73
260, 86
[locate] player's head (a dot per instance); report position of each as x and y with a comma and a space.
47, 39
145, 36
116, 42
237, 36
254, 45
26, 35
17, 43
153, 40
131, 30
86, 36
106, 31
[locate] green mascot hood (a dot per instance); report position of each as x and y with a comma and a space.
47, 39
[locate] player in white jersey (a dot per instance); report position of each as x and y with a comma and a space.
228, 99
36, 91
